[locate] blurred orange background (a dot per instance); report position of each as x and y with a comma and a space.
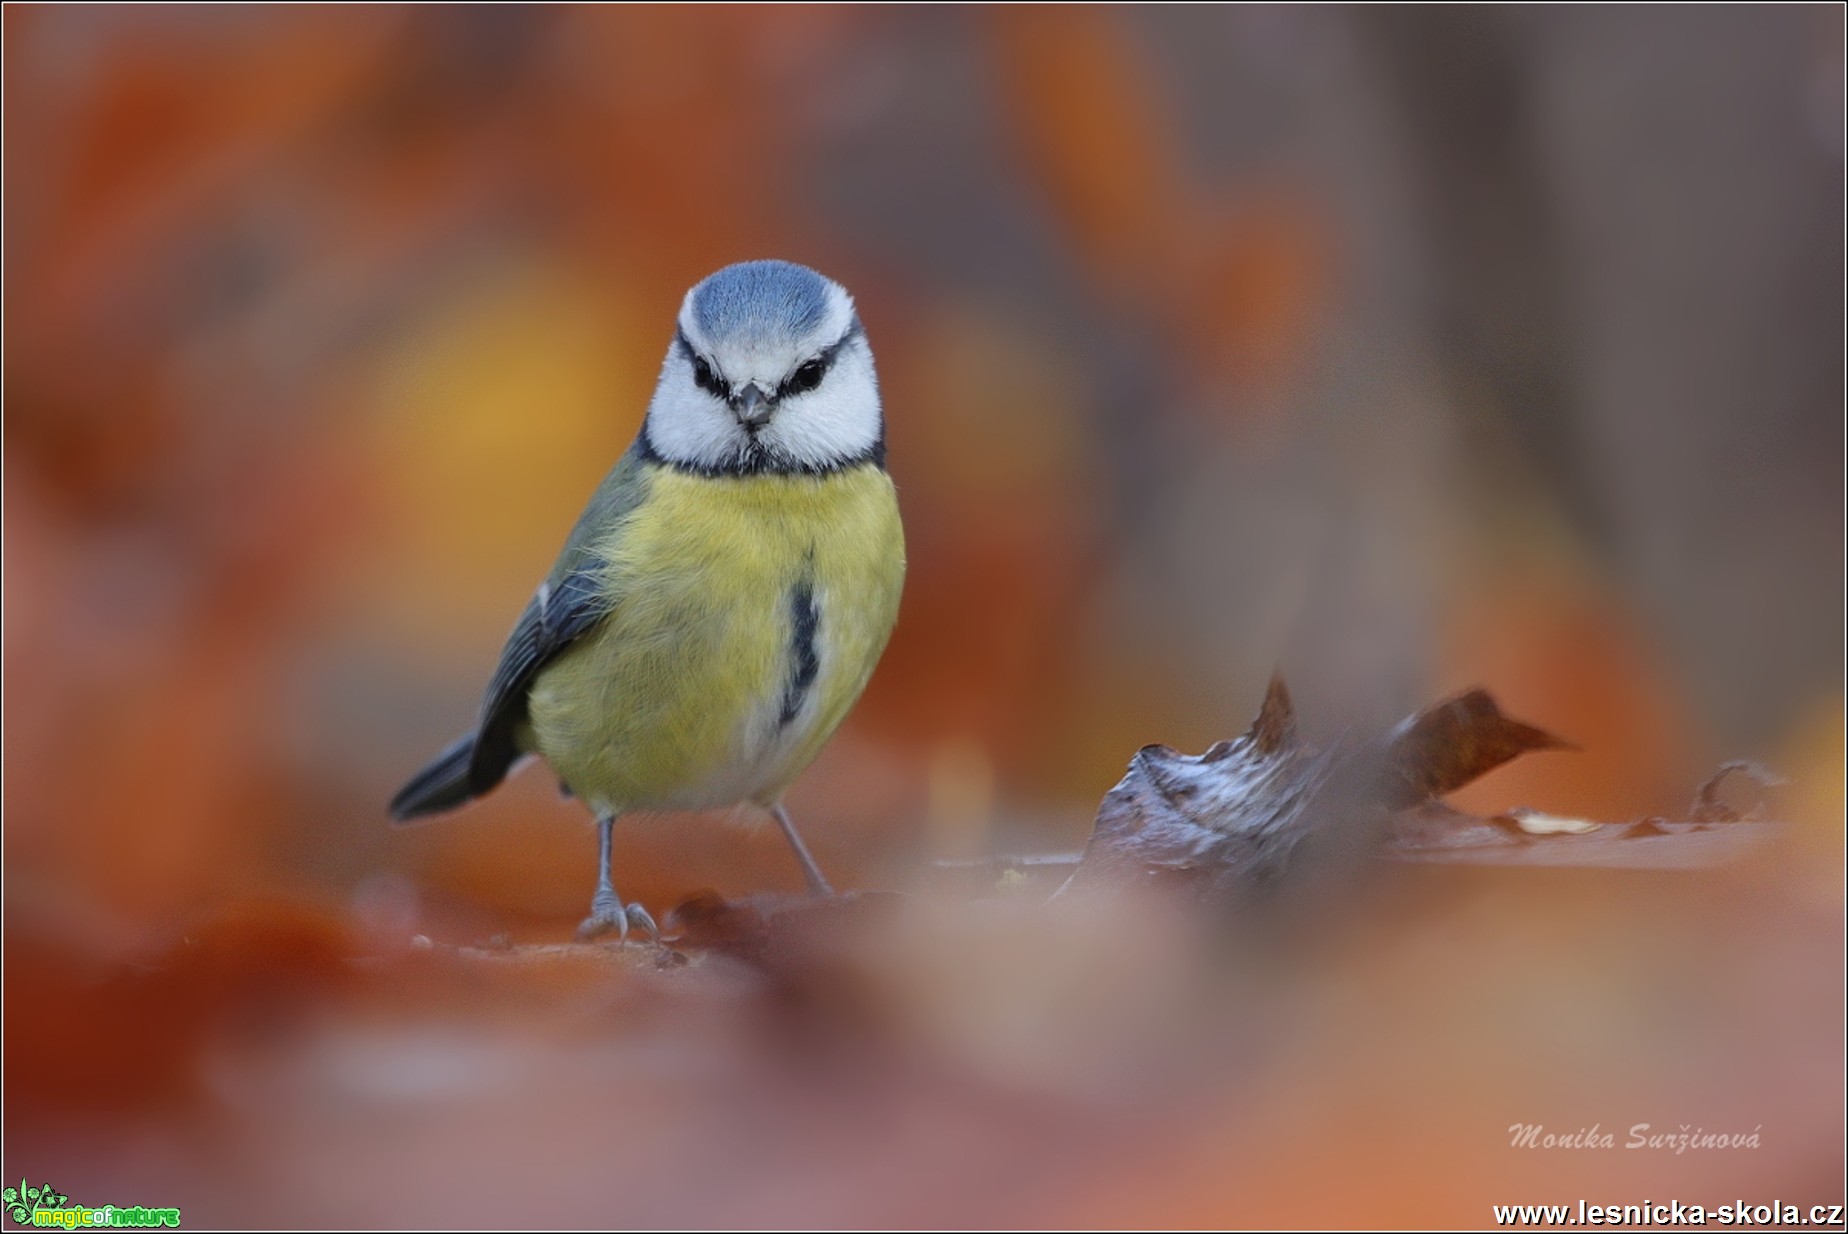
1398, 349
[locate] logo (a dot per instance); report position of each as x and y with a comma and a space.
44, 1206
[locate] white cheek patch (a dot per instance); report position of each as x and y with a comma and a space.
837, 421
686, 424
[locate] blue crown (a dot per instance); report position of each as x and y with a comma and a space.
760, 300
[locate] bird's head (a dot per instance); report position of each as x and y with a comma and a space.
769, 371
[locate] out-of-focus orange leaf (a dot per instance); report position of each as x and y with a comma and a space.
1093, 131
771, 930
1235, 279
131, 1035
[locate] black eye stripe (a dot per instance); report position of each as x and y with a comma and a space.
807, 376
703, 375
804, 379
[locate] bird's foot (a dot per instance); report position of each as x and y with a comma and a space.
610, 914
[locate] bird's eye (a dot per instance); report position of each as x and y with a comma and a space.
703, 376
805, 378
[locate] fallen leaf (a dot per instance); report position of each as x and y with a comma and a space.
1231, 813
1662, 846
1446, 746
1539, 823
1231, 818
1236, 817
1708, 808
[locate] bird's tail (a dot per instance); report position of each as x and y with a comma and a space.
443, 785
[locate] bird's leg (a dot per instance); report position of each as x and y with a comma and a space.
818, 885
606, 911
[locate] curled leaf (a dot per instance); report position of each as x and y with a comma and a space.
1233, 817
1223, 818
1448, 745
1708, 808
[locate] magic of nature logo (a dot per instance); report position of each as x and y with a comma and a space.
46, 1207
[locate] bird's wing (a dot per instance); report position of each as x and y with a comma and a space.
572, 600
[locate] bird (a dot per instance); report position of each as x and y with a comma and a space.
723, 599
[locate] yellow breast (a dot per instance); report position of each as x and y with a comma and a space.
748, 614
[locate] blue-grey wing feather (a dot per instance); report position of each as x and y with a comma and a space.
573, 600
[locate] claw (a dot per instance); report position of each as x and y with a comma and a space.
606, 911
611, 915
595, 926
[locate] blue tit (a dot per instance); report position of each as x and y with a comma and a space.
721, 602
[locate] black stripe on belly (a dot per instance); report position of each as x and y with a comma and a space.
803, 663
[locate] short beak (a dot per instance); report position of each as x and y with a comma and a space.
751, 407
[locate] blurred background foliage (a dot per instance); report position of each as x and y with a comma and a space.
1399, 349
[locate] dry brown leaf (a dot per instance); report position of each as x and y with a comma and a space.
1232, 813
1233, 818
1448, 745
